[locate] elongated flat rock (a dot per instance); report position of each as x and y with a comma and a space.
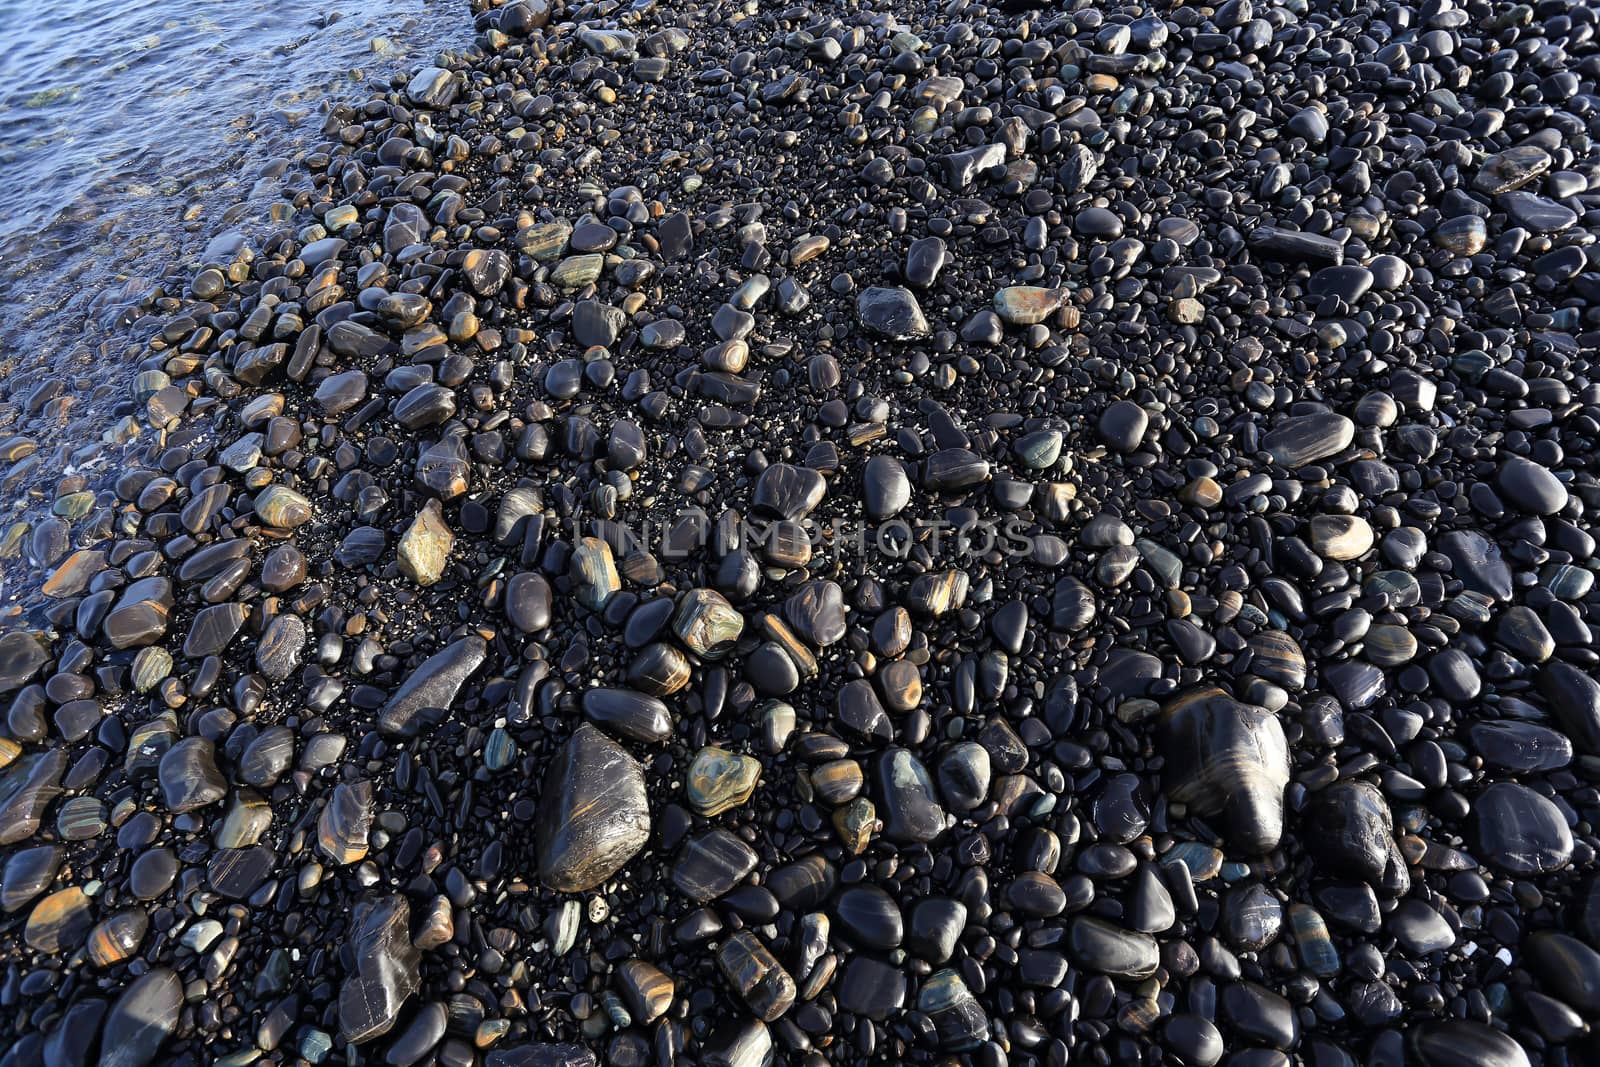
1305, 439
428, 693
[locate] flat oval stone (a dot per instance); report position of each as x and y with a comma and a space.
22, 654
1027, 305
885, 488
1520, 831
631, 714
214, 628
1104, 948
872, 988
1259, 1014
1122, 425
1477, 561
952, 469
1520, 747
527, 601
278, 650
870, 917
282, 508
153, 873
1301, 440
28, 873
1341, 537
647, 989
1277, 657
1193, 1037
965, 774
60, 921
1567, 967
1529, 487
117, 937
1419, 928
711, 864
1463, 1043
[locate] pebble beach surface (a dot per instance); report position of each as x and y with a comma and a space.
934, 534
132, 135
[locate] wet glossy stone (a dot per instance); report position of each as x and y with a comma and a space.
1529, 487
278, 651
1463, 1043
872, 988
27, 873
117, 937
345, 821
869, 917
646, 988
189, 776
1305, 439
153, 873
784, 491
706, 623
885, 488
1105, 948
817, 612
907, 801
594, 573
282, 508
1122, 425
59, 922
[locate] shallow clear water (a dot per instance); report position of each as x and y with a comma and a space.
130, 133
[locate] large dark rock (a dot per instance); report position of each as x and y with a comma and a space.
593, 815
1350, 832
142, 1019
892, 313
1230, 760
386, 969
